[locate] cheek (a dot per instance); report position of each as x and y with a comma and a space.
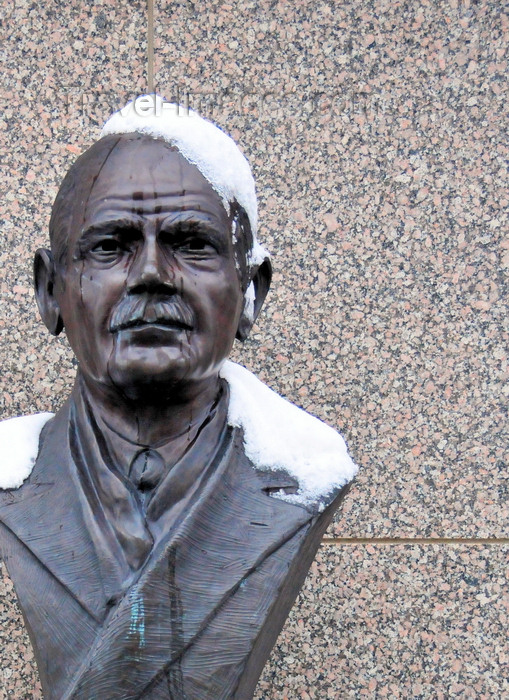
99, 292
224, 305
94, 298
86, 303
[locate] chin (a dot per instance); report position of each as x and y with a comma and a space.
148, 388
149, 374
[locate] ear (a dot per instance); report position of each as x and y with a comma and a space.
44, 279
254, 297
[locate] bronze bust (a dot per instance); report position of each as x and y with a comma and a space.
159, 526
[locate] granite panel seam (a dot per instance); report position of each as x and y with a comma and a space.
150, 46
500, 541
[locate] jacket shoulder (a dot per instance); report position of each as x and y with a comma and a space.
19, 446
280, 436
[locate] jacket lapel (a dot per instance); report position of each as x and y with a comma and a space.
230, 530
46, 516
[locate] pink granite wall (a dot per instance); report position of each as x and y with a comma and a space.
378, 136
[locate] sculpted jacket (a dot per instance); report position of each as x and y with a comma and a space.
197, 621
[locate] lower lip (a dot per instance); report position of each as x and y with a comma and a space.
153, 333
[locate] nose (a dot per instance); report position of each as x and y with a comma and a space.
150, 268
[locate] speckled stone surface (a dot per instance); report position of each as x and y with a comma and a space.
18, 672
396, 622
377, 133
370, 622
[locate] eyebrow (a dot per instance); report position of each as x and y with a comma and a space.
109, 227
194, 223
188, 217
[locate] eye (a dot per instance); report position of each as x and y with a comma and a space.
106, 250
107, 246
196, 246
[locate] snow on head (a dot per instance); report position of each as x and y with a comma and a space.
19, 445
279, 435
203, 144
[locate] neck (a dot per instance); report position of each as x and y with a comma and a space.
151, 422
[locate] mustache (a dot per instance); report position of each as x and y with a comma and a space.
139, 310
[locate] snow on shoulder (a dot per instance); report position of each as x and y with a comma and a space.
19, 445
279, 435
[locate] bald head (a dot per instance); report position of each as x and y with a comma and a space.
79, 190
